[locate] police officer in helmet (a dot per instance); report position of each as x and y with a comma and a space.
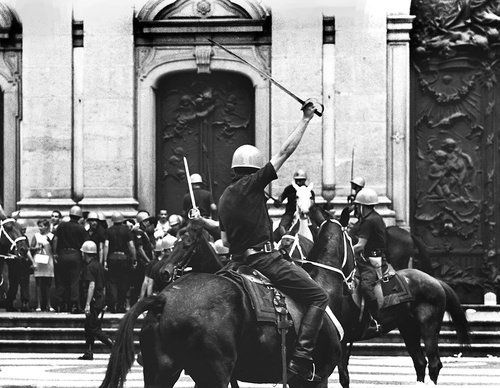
246, 230
370, 252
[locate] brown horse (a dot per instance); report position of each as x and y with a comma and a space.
418, 320
13, 244
204, 324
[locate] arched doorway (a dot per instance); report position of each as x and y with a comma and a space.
203, 117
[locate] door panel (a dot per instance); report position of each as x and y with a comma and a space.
203, 117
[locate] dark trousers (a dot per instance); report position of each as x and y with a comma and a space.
19, 277
136, 280
119, 267
68, 277
93, 328
290, 279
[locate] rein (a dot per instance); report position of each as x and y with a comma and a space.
180, 269
347, 243
11, 240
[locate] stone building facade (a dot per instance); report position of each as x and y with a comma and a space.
102, 100
82, 115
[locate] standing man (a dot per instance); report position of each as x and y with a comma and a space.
246, 230
55, 219
94, 284
162, 225
203, 198
144, 253
370, 253
68, 239
96, 234
119, 258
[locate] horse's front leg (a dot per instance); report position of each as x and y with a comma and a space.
343, 366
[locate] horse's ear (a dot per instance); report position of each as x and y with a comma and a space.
344, 217
295, 186
310, 186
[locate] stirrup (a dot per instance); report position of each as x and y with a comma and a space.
375, 326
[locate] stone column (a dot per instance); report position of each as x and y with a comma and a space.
46, 131
109, 138
398, 114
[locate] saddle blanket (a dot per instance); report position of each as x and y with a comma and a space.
395, 291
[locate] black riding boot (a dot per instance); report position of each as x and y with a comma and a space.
89, 353
301, 364
374, 328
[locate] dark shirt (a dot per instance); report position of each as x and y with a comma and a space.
203, 199
70, 235
119, 237
97, 236
291, 195
372, 227
94, 272
141, 239
243, 211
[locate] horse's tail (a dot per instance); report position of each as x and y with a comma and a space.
423, 255
457, 314
122, 355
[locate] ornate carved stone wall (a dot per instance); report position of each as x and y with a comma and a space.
456, 154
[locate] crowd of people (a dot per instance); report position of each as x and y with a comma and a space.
126, 249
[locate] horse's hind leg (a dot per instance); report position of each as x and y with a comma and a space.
430, 339
410, 332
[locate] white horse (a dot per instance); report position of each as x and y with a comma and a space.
300, 226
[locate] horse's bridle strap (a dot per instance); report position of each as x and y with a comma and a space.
2, 230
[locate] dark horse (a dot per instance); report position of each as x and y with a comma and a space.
206, 326
12, 244
417, 320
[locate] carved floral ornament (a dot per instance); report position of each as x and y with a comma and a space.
155, 10
444, 26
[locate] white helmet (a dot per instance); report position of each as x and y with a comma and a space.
358, 181
174, 219
168, 242
247, 156
196, 178
89, 247
367, 197
76, 211
300, 174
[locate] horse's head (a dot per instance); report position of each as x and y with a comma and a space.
333, 246
12, 239
305, 198
183, 252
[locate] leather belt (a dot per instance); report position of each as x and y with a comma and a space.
266, 247
118, 253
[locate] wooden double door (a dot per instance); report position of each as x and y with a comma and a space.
204, 118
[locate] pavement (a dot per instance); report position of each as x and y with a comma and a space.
30, 370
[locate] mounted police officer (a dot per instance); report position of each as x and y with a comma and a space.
246, 229
370, 252
290, 194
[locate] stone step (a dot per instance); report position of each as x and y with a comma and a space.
62, 332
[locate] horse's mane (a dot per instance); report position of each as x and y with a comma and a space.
195, 229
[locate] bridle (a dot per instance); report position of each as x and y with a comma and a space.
347, 245
12, 241
180, 268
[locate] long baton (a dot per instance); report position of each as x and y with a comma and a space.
194, 212
263, 73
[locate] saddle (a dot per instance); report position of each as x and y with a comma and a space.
390, 290
269, 304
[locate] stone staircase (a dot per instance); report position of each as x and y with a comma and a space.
56, 333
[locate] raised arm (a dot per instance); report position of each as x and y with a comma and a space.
293, 140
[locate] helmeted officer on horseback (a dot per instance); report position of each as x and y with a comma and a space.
246, 229
370, 252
